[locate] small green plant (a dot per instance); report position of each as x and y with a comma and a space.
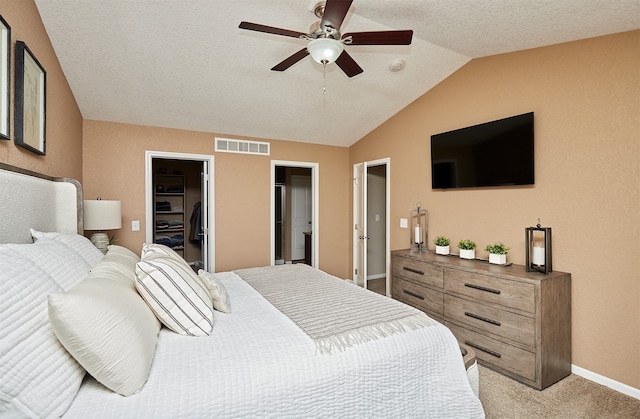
442, 241
497, 248
466, 244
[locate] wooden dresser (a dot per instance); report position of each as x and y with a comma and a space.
518, 322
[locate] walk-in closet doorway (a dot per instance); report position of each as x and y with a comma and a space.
179, 205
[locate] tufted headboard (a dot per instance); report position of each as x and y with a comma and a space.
33, 200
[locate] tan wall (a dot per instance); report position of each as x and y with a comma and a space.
114, 168
585, 96
63, 119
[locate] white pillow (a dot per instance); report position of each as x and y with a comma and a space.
175, 294
119, 264
153, 249
217, 291
63, 264
77, 242
38, 377
107, 327
119, 250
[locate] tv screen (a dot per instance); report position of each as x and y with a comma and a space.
496, 153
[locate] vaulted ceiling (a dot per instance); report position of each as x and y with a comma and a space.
186, 64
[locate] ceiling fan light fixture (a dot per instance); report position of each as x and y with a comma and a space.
325, 50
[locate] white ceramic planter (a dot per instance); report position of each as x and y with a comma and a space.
468, 253
442, 250
497, 259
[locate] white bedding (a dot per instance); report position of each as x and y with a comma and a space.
258, 363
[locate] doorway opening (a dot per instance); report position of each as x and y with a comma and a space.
371, 257
294, 234
179, 205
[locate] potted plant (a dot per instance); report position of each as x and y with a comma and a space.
467, 249
442, 245
497, 253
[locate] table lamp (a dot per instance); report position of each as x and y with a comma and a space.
100, 215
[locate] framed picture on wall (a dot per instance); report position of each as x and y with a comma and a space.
5, 77
30, 97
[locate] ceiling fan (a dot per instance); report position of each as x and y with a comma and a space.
326, 44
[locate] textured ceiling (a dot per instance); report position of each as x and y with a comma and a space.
185, 64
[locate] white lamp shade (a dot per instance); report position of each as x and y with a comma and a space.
325, 49
102, 215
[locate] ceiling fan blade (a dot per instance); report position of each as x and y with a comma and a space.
288, 62
270, 29
348, 65
380, 37
334, 13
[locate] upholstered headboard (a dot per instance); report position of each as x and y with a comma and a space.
32, 200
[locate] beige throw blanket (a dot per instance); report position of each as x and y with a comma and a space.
335, 313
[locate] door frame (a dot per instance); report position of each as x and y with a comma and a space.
210, 228
315, 193
379, 162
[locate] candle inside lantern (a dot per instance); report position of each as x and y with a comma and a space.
416, 236
538, 255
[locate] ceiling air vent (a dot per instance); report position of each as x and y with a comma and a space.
227, 145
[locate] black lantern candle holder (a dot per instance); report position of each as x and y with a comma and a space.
538, 249
418, 229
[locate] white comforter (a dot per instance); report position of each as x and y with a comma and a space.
258, 363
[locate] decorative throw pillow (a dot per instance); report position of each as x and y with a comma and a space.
176, 295
217, 291
38, 377
105, 324
77, 242
153, 249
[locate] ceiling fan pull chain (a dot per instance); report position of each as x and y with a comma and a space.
324, 77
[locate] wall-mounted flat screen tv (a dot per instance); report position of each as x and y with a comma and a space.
497, 153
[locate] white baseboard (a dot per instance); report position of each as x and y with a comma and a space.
605, 381
377, 276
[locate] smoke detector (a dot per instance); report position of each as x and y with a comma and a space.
396, 65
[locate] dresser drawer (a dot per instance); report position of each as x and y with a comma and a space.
518, 295
419, 272
420, 297
515, 327
497, 353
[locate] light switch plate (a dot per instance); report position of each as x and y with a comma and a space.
135, 225
404, 223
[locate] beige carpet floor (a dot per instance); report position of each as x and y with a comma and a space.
572, 397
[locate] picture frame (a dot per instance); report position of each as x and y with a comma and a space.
30, 99
5, 79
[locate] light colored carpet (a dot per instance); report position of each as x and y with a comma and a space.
572, 397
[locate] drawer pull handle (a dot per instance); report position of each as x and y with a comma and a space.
413, 294
483, 349
484, 319
415, 271
478, 287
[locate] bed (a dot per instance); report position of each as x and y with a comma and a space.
274, 341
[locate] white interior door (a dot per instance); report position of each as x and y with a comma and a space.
300, 214
362, 229
360, 221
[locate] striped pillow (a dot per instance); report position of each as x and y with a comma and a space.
152, 249
175, 294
